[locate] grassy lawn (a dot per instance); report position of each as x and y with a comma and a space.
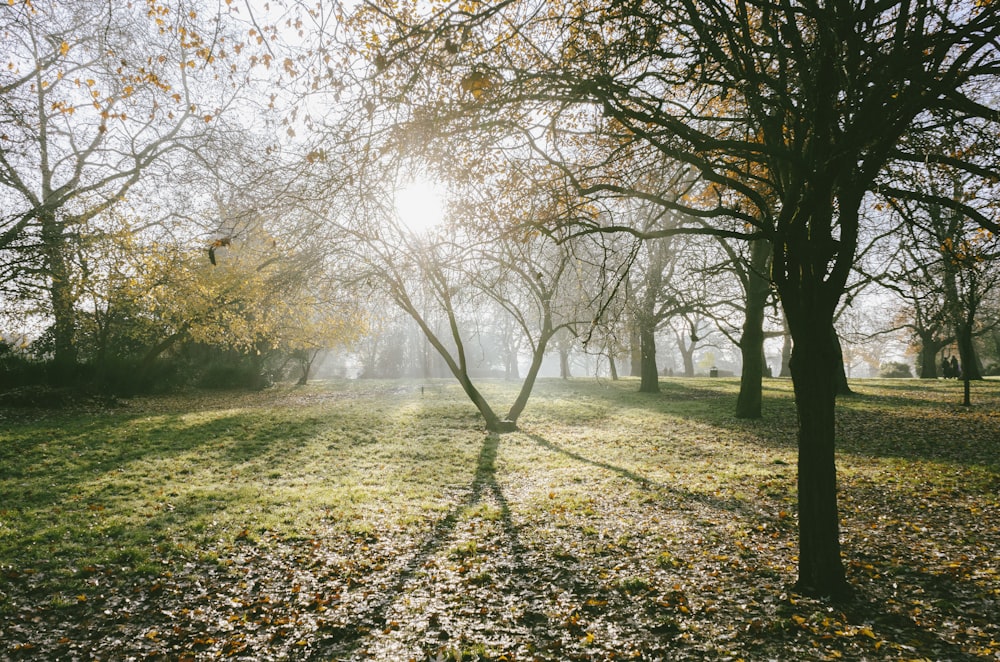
370, 521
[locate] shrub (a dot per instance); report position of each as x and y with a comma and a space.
225, 373
895, 370
19, 369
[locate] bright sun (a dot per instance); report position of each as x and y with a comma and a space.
420, 205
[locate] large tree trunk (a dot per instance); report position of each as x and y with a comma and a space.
967, 352
810, 289
748, 404
927, 360
62, 297
750, 399
635, 351
687, 357
564, 363
650, 379
814, 358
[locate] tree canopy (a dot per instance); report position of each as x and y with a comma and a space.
791, 114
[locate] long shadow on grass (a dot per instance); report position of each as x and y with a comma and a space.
950, 601
868, 424
864, 608
713, 502
49, 464
347, 641
90, 488
58, 458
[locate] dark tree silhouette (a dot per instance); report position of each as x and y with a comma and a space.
788, 111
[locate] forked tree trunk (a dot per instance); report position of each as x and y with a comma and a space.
809, 297
493, 422
457, 366
307, 363
687, 356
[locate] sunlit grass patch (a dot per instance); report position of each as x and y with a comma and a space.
373, 521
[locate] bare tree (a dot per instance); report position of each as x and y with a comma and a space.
788, 111
93, 94
444, 278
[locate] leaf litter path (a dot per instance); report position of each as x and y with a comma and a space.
578, 577
562, 549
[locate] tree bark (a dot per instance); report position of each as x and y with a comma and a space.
967, 352
62, 297
509, 424
839, 372
786, 355
814, 357
649, 377
307, 363
687, 356
564, 363
810, 290
635, 351
749, 401
156, 350
929, 349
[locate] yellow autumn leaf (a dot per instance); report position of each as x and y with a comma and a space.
64, 48
476, 83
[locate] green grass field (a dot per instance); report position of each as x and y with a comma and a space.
370, 521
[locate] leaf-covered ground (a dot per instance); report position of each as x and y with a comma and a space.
373, 521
